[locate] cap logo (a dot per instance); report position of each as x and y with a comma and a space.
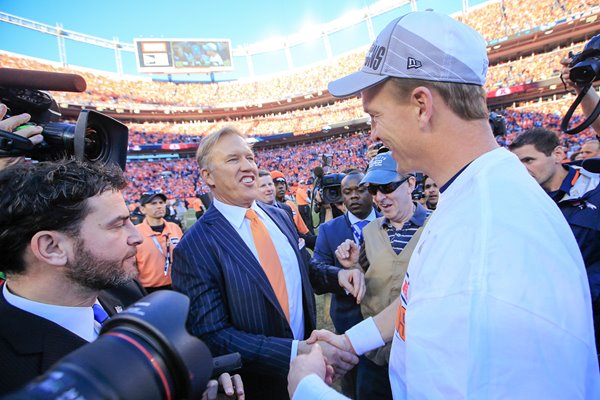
375, 56
413, 63
377, 162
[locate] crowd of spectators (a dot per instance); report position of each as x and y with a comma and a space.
546, 114
504, 18
493, 20
297, 121
533, 68
180, 179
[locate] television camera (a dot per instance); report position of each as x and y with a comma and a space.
94, 137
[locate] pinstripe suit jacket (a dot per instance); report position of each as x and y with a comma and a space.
233, 306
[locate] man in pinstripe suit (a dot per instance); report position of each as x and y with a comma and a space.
234, 308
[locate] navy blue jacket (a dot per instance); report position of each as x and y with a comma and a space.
345, 313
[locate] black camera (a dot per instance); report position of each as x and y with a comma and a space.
497, 123
327, 160
95, 136
585, 66
584, 71
143, 353
331, 188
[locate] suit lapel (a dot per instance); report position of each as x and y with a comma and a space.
110, 303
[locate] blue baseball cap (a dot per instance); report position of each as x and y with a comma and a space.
382, 170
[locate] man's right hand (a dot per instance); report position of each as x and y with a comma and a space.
340, 359
33, 133
347, 254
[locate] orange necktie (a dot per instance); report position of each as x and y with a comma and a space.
269, 260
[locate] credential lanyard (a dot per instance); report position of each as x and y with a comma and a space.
159, 247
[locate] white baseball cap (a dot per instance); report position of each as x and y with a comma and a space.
420, 45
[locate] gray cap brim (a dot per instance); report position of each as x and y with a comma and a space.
354, 83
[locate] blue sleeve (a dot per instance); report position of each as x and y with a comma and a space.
323, 268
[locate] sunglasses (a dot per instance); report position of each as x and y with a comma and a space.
385, 189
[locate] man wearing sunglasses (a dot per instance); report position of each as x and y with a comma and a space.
155, 254
389, 242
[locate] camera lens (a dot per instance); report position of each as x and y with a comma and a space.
586, 71
93, 148
141, 354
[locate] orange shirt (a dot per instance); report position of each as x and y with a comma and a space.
150, 260
196, 203
302, 196
302, 228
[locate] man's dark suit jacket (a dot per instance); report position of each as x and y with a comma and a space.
29, 344
345, 313
233, 306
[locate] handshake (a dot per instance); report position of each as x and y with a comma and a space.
325, 354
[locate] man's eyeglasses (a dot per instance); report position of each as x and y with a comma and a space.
387, 188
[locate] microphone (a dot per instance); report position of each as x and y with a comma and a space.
41, 80
318, 171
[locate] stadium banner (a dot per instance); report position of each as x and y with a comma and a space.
183, 56
505, 91
172, 147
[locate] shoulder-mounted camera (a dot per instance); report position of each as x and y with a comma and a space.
94, 137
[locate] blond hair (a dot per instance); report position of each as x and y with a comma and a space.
466, 101
207, 144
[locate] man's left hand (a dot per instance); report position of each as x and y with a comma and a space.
232, 386
353, 281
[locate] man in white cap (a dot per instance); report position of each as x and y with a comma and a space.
495, 302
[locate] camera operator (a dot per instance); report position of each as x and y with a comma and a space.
69, 256
10, 124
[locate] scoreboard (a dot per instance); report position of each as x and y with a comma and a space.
183, 56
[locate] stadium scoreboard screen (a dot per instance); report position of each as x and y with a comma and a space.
183, 56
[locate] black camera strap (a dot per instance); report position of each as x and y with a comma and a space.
591, 118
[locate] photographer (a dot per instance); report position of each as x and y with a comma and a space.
591, 98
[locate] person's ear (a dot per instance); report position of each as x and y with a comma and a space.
207, 177
559, 154
411, 183
51, 247
421, 99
